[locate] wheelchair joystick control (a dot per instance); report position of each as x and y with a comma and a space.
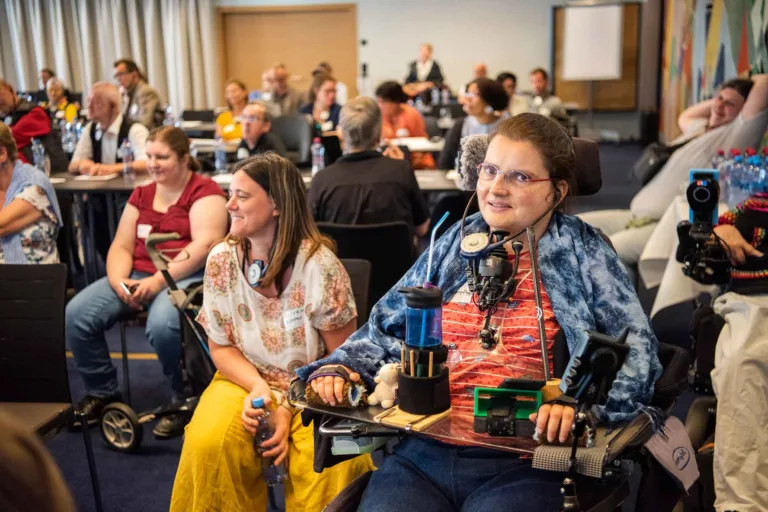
423, 386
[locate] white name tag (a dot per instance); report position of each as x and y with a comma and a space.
293, 319
134, 109
463, 296
143, 230
242, 153
402, 132
327, 126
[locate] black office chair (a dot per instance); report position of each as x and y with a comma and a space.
388, 246
206, 116
433, 130
76, 97
360, 275
296, 132
34, 387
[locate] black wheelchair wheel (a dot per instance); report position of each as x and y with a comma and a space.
120, 427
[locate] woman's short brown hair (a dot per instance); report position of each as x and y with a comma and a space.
177, 140
283, 183
8, 142
551, 141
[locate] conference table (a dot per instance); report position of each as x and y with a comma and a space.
115, 190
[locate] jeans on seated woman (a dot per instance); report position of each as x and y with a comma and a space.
97, 309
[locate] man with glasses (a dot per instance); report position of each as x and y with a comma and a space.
257, 121
141, 103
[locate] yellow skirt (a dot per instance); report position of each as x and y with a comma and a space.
219, 469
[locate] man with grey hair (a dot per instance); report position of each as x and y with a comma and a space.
257, 122
366, 186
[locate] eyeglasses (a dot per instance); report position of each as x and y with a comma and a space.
250, 119
487, 172
119, 74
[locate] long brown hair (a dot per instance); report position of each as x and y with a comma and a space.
318, 79
177, 140
283, 183
241, 85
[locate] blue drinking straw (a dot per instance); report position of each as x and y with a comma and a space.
427, 282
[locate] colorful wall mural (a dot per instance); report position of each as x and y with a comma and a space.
705, 43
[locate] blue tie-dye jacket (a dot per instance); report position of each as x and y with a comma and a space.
587, 287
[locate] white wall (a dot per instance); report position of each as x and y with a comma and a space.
508, 35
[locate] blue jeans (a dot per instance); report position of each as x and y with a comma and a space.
96, 309
427, 475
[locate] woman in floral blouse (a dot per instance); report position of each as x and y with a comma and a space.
276, 298
29, 213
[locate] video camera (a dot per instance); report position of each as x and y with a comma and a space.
703, 255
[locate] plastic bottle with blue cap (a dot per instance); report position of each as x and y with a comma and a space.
273, 474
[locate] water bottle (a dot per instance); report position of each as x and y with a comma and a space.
419, 104
435, 96
39, 158
272, 474
423, 316
718, 158
736, 188
220, 157
446, 96
126, 154
192, 149
318, 156
168, 119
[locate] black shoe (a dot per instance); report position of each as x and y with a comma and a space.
171, 425
91, 407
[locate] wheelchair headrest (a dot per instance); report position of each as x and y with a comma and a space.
586, 172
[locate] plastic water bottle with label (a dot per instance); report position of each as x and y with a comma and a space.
220, 157
126, 154
318, 156
435, 96
272, 474
169, 119
39, 158
736, 182
446, 96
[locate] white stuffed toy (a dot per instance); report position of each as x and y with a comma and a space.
386, 386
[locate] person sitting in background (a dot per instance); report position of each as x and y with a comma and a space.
45, 75
401, 120
322, 106
486, 105
29, 211
365, 186
257, 121
283, 100
736, 117
479, 71
27, 122
228, 123
58, 103
540, 100
424, 73
177, 201
342, 93
260, 329
517, 103
97, 151
141, 103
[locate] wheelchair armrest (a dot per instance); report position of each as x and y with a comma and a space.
334, 427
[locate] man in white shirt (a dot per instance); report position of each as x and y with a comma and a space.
97, 150
423, 74
736, 117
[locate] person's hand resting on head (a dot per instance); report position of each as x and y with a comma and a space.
554, 420
738, 248
330, 388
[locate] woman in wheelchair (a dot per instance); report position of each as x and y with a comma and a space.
275, 298
178, 200
527, 171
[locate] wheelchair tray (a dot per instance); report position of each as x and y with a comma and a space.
455, 427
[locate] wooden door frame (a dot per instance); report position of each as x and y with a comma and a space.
262, 9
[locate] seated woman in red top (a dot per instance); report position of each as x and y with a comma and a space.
399, 120
178, 200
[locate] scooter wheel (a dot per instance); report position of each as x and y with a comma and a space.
120, 427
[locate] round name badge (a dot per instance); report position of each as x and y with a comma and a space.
474, 243
242, 153
325, 115
134, 109
402, 132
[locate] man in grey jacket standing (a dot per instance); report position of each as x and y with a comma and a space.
141, 103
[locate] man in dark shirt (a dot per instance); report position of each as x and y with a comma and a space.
365, 186
257, 121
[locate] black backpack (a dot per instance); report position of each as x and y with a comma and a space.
654, 157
